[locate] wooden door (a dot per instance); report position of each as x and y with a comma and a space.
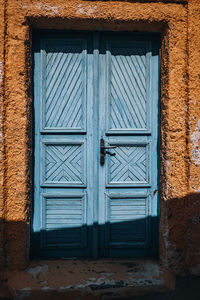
88, 88
128, 181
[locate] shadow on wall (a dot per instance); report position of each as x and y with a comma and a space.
183, 219
183, 243
139, 237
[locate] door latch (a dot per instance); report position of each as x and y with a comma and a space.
103, 151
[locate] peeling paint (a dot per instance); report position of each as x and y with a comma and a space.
124, 275
86, 10
62, 289
1, 77
80, 9
195, 189
91, 10
34, 272
195, 138
50, 9
46, 289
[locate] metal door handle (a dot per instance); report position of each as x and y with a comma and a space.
111, 154
103, 151
108, 147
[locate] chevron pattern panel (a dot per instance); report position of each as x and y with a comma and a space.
128, 88
63, 163
129, 165
128, 220
64, 86
64, 218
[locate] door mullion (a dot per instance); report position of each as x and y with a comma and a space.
102, 129
95, 142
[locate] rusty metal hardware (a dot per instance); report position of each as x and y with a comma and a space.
154, 192
103, 151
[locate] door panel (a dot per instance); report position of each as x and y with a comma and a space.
127, 219
62, 204
64, 85
88, 87
127, 86
129, 177
63, 162
63, 218
130, 165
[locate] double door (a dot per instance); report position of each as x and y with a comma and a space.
96, 145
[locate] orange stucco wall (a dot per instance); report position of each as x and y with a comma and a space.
192, 205
1, 131
179, 25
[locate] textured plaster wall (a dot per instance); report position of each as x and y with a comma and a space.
2, 30
192, 208
178, 23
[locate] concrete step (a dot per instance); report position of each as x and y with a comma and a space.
87, 279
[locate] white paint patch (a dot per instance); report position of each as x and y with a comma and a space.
34, 272
53, 10
25, 5
46, 289
65, 288
195, 189
80, 9
195, 138
1, 76
91, 10
86, 10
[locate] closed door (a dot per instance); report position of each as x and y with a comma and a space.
96, 145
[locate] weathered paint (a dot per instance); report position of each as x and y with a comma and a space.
126, 218
195, 139
179, 24
72, 279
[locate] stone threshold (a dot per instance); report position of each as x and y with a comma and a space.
87, 279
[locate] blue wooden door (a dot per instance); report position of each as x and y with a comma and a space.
128, 181
89, 89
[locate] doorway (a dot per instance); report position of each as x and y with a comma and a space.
96, 158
